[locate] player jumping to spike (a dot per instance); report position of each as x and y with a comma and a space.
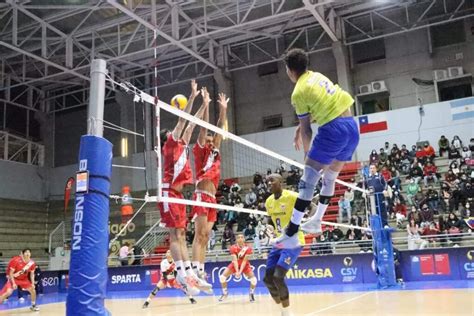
316, 99
280, 206
21, 275
239, 265
177, 173
168, 279
207, 164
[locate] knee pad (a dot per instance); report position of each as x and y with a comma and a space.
222, 279
323, 199
308, 183
155, 290
253, 281
268, 278
329, 182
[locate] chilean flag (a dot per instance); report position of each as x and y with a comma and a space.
375, 122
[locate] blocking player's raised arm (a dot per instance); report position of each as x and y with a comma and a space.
203, 131
223, 101
179, 128
188, 132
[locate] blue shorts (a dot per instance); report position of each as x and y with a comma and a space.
336, 140
285, 258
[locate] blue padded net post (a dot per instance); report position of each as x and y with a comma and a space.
90, 239
90, 235
383, 249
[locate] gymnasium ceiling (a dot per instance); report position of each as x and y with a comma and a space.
46, 46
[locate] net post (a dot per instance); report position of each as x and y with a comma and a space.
95, 111
89, 246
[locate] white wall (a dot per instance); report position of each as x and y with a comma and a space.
21, 181
402, 129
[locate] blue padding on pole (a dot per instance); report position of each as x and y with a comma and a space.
90, 236
383, 253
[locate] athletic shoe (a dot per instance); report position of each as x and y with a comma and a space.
286, 242
192, 300
202, 284
223, 297
188, 285
145, 305
312, 226
21, 299
252, 297
34, 308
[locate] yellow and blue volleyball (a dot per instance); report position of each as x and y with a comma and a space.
179, 101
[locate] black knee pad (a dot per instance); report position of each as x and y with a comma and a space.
155, 290
324, 199
268, 278
279, 280
301, 205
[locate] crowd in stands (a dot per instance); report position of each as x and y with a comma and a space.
437, 203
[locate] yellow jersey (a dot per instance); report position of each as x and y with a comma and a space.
316, 95
281, 209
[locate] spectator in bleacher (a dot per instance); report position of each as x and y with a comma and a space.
429, 233
450, 178
456, 142
224, 188
446, 197
466, 155
471, 145
454, 226
443, 144
414, 214
386, 174
454, 154
365, 170
430, 173
234, 195
420, 155
344, 209
412, 190
404, 150
400, 211
250, 198
458, 197
394, 151
313, 248
404, 163
257, 179
356, 221
350, 235
395, 178
412, 152
387, 147
414, 239
249, 233
337, 234
228, 237
426, 215
416, 173
377, 184
383, 157
124, 254
432, 198
323, 245
366, 243
429, 151
442, 229
212, 238
374, 157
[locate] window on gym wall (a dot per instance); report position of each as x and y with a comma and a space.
368, 51
447, 34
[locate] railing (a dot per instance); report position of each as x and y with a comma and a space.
19, 149
153, 237
57, 238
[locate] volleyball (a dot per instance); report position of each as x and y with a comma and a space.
179, 101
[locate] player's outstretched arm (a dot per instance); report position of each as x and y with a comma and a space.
203, 131
179, 128
306, 133
188, 132
223, 101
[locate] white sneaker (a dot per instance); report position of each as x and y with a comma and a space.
312, 226
202, 284
188, 285
286, 242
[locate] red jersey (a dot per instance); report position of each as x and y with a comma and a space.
240, 252
386, 174
430, 170
21, 268
177, 169
207, 163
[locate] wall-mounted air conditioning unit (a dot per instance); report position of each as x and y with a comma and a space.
366, 88
440, 74
454, 72
378, 86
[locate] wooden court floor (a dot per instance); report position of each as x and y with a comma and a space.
452, 302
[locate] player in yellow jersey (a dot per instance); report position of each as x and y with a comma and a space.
280, 206
316, 99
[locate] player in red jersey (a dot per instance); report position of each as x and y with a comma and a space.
21, 275
239, 265
167, 279
177, 174
207, 166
